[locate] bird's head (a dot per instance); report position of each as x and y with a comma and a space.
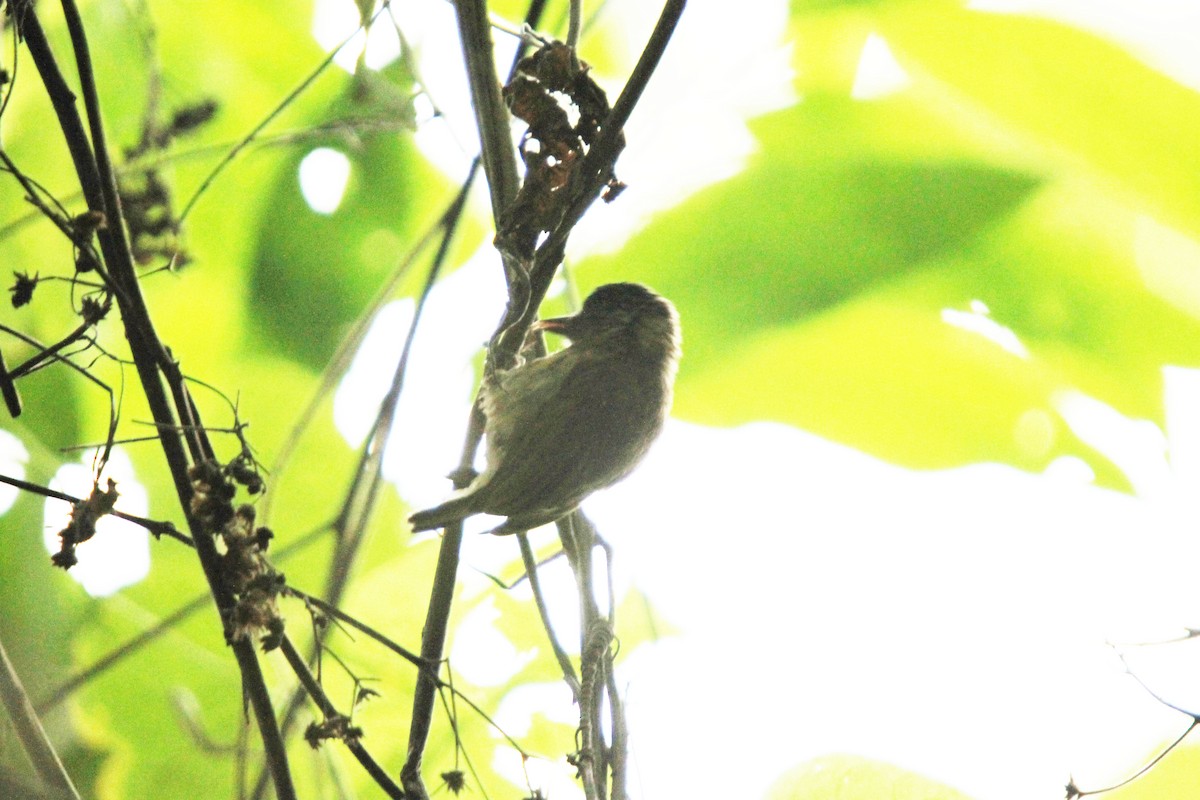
622, 315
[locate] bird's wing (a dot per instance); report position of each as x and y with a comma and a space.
515, 399
561, 432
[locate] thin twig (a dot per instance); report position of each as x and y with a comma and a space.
275, 112
352, 742
341, 616
68, 687
46, 353
63, 359
451, 708
427, 669
156, 527
433, 642
531, 572
1146, 768
596, 165
61, 96
445, 224
33, 192
156, 159
114, 230
574, 28
29, 730
139, 642
12, 78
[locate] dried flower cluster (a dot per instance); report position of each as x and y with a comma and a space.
245, 572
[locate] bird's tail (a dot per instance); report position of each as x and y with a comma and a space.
442, 515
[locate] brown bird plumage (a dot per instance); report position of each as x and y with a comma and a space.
561, 427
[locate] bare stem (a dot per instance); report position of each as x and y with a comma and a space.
491, 115
531, 572
30, 732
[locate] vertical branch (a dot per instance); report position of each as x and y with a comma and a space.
500, 167
491, 115
360, 500
529, 279
619, 749
115, 249
574, 26
495, 137
115, 232
96, 176
579, 540
61, 97
433, 643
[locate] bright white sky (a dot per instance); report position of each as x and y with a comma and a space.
955, 623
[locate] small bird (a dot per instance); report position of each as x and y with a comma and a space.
563, 426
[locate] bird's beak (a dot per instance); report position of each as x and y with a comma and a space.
563, 326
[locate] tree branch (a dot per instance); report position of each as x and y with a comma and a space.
491, 115
98, 181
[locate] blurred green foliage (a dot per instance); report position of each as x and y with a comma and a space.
812, 285
813, 288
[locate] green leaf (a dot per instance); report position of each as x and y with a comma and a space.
1088, 104
803, 230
